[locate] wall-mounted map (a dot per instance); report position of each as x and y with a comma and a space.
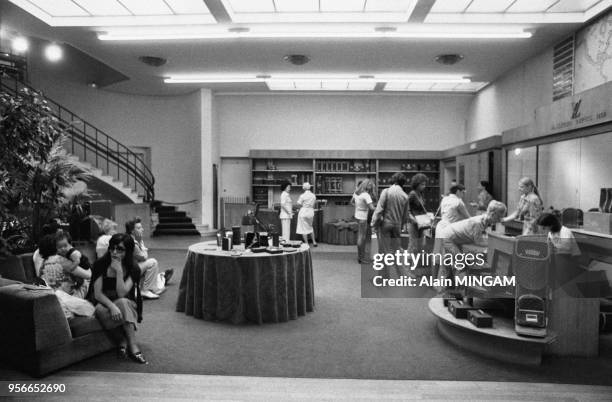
593, 57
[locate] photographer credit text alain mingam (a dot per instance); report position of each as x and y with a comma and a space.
460, 261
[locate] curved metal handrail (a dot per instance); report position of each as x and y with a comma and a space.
105, 152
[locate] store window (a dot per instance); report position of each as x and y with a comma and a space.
521, 163
595, 152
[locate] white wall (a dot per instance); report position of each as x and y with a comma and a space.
511, 101
247, 122
169, 125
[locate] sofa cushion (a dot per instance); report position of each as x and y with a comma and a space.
80, 326
12, 268
6, 282
28, 267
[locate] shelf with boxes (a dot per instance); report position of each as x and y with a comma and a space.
267, 174
339, 177
411, 167
335, 174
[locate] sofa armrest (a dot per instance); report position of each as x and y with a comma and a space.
31, 320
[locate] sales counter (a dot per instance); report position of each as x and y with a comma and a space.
575, 286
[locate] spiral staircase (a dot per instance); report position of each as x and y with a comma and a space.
115, 166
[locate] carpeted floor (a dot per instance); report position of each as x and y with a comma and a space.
346, 337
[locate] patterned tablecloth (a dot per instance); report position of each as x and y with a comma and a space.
239, 286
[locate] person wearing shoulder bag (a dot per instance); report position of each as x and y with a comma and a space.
390, 214
419, 220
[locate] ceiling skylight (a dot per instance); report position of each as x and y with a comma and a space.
406, 86
118, 12
515, 11
266, 11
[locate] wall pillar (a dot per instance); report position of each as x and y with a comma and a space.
210, 156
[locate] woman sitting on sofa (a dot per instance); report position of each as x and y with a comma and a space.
115, 283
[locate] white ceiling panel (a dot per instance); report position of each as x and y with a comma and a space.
568, 6
342, 5
450, 6
250, 6
388, 5
307, 85
361, 85
147, 7
419, 86
489, 6
60, 8
531, 6
103, 8
293, 6
444, 86
182, 7
334, 85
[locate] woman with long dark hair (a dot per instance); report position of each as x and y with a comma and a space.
115, 283
416, 204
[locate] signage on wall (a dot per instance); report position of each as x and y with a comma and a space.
583, 110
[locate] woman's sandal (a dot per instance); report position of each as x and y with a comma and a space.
122, 353
138, 357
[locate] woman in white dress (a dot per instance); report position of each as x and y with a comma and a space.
306, 215
286, 210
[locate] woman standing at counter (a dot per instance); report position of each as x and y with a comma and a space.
484, 197
529, 206
306, 215
286, 210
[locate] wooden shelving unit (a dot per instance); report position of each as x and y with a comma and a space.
334, 175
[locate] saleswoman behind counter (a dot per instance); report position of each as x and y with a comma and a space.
529, 208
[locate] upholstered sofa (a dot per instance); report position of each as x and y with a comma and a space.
35, 336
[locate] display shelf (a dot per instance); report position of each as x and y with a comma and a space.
409, 171
284, 171
353, 173
335, 174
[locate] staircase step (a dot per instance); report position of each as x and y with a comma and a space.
175, 225
175, 214
165, 208
179, 232
174, 219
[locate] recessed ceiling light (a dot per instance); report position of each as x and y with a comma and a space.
239, 29
153, 61
297, 59
449, 59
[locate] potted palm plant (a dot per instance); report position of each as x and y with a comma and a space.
35, 169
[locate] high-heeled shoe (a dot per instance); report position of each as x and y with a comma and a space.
138, 357
122, 353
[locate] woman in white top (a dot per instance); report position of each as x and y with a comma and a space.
306, 215
286, 210
109, 228
364, 204
452, 207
